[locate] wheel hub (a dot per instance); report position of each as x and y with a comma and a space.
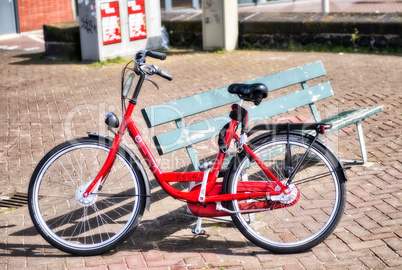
81, 199
289, 196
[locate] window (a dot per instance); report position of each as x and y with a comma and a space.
169, 5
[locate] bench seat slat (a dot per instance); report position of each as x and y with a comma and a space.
167, 112
347, 118
292, 76
191, 134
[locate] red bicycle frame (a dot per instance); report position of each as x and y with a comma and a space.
164, 178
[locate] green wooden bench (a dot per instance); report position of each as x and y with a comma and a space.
185, 136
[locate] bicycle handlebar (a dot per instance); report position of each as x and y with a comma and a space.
157, 55
164, 74
140, 56
140, 60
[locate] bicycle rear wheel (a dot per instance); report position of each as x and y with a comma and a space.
293, 224
97, 223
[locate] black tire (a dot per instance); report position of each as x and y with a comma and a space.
101, 221
313, 217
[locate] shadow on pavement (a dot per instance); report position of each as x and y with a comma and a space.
160, 231
163, 231
41, 59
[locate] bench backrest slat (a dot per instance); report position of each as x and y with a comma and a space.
167, 112
191, 134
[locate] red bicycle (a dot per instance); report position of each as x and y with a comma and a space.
284, 189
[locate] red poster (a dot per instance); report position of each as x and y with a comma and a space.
136, 19
110, 23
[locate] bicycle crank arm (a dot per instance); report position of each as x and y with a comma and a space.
206, 168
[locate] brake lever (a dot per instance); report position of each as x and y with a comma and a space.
151, 81
150, 70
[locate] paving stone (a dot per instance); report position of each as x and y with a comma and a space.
324, 254
372, 262
311, 262
279, 263
120, 266
210, 257
391, 228
90, 268
134, 262
393, 263
75, 262
336, 245
354, 254
385, 253
249, 262
195, 263
293, 267
366, 244
108, 260
161, 263
92, 262
152, 255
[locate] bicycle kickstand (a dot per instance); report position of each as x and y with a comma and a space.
206, 168
197, 230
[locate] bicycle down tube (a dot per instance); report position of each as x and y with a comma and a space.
165, 177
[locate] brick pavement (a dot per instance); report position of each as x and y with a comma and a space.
45, 102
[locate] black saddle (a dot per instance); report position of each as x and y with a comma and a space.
249, 92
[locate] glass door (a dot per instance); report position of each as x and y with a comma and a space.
8, 22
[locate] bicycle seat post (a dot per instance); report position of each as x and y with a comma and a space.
243, 138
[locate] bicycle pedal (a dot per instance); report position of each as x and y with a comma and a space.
205, 166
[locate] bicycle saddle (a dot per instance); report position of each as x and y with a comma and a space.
249, 92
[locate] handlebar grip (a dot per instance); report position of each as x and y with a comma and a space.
164, 75
157, 55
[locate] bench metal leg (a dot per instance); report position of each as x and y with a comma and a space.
362, 147
362, 142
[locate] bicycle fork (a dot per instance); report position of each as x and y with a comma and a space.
104, 172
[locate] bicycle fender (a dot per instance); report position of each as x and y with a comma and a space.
136, 164
303, 134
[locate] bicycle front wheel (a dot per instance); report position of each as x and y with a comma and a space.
299, 221
91, 225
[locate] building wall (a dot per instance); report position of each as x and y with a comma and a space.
34, 14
